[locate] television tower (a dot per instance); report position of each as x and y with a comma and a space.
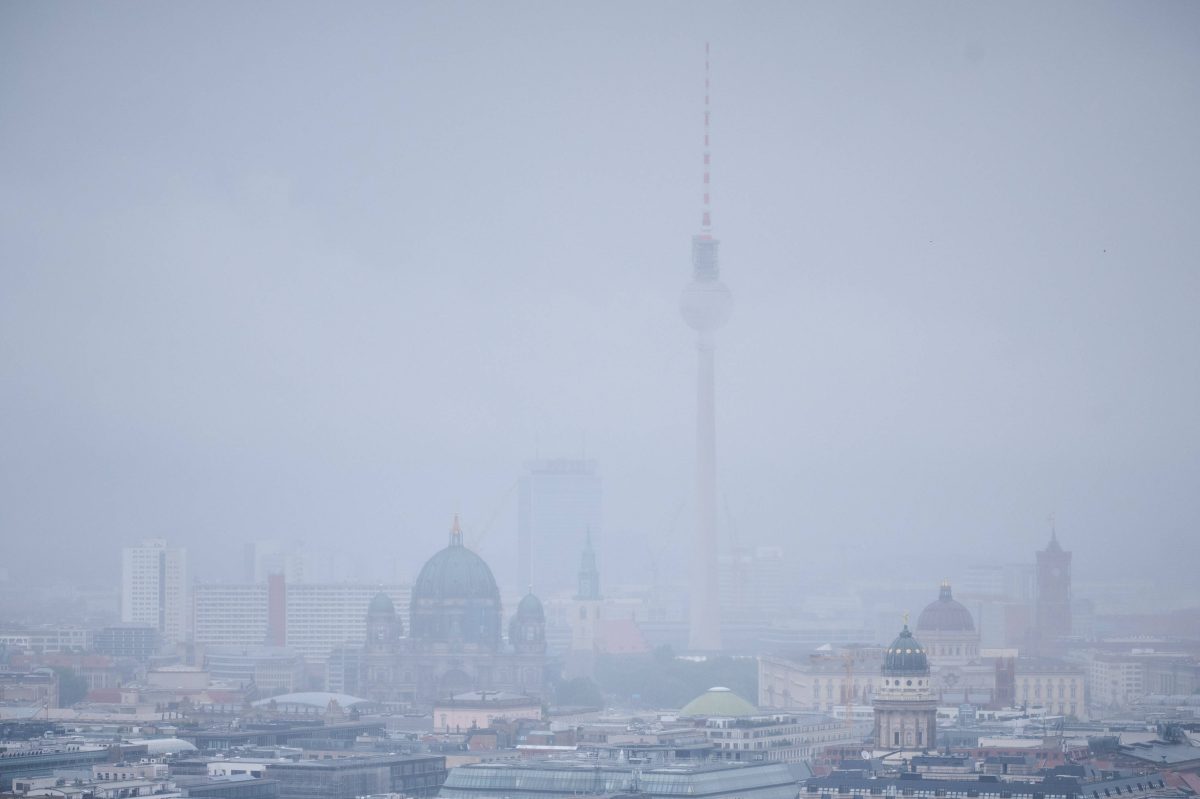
706, 305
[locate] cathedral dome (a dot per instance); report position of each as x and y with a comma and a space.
905, 655
455, 573
945, 615
455, 598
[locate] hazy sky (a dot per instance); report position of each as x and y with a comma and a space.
333, 271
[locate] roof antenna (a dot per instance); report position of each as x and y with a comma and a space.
706, 215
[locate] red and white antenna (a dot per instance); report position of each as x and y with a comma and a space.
706, 216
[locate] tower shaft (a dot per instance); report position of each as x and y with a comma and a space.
704, 630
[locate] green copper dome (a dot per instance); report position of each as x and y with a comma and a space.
455, 598
719, 702
905, 655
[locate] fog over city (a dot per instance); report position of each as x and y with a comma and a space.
328, 274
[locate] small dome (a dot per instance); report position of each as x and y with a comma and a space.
381, 605
905, 655
719, 702
530, 609
945, 615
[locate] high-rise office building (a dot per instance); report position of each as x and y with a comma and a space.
267, 557
154, 588
559, 503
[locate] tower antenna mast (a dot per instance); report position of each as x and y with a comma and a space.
706, 214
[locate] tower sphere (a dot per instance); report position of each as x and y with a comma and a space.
706, 304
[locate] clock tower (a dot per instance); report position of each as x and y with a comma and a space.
1052, 613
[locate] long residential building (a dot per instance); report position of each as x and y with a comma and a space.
46, 640
786, 737
825, 682
315, 617
560, 779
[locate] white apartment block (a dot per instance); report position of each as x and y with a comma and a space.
317, 616
45, 640
1115, 681
154, 588
230, 615
321, 616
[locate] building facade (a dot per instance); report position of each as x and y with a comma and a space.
317, 617
559, 499
1052, 608
827, 681
952, 642
154, 588
905, 705
560, 779
1055, 685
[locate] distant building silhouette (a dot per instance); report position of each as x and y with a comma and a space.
454, 642
559, 498
1052, 607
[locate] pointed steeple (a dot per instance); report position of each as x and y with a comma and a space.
1053, 546
456, 537
589, 575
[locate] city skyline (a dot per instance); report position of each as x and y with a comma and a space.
954, 317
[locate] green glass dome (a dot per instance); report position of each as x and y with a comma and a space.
905, 655
719, 702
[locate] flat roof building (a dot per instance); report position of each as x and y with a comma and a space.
559, 779
350, 777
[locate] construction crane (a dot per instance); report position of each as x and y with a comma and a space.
478, 539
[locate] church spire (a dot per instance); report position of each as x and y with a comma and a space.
1053, 546
589, 575
456, 538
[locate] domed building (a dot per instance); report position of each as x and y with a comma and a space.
948, 629
905, 704
454, 642
952, 642
384, 628
455, 601
718, 701
527, 630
